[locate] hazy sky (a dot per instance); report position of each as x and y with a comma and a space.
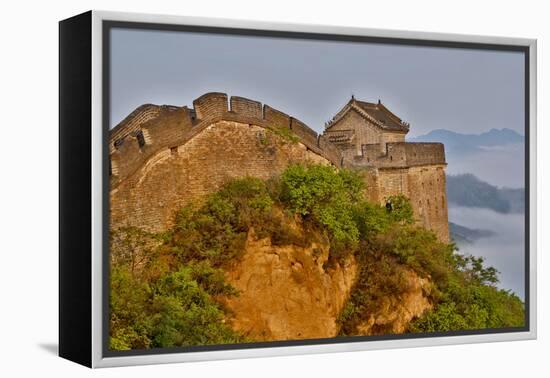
467, 91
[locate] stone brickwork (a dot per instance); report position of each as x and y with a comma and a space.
174, 177
164, 157
390, 165
183, 154
423, 185
246, 107
133, 122
401, 154
210, 105
365, 123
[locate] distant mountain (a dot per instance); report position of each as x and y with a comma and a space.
465, 235
457, 142
515, 197
469, 191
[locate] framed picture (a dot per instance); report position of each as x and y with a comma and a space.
232, 189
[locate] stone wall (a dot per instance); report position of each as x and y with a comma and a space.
389, 137
164, 157
364, 132
402, 154
210, 105
416, 170
133, 144
423, 185
133, 122
426, 190
176, 176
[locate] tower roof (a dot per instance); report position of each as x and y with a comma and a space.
377, 113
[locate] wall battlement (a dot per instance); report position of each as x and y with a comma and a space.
400, 155
152, 128
159, 156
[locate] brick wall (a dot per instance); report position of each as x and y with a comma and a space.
246, 107
426, 190
169, 156
134, 143
303, 131
173, 178
133, 122
364, 131
424, 186
401, 154
390, 137
210, 105
276, 118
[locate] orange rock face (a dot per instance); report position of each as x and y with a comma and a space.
286, 294
394, 313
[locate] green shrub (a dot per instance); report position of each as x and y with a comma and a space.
470, 306
174, 310
163, 287
132, 246
325, 196
463, 290
129, 320
399, 209
420, 250
183, 313
217, 231
379, 276
371, 219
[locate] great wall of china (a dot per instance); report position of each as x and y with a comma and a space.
163, 157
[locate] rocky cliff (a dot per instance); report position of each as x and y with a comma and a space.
292, 292
286, 293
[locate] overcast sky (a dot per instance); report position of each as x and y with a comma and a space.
468, 91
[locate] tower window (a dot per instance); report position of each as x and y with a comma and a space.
141, 139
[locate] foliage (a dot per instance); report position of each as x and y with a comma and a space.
286, 133
174, 310
472, 306
165, 287
327, 198
372, 219
469, 300
399, 209
379, 277
463, 289
217, 231
131, 246
170, 299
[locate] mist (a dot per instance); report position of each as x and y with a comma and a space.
505, 250
502, 166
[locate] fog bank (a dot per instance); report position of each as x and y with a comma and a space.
505, 250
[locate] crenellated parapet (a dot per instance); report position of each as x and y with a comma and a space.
210, 105
151, 129
400, 155
163, 157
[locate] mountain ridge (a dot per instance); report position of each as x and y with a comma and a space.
458, 142
469, 191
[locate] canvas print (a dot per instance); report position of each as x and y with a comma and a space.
271, 188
